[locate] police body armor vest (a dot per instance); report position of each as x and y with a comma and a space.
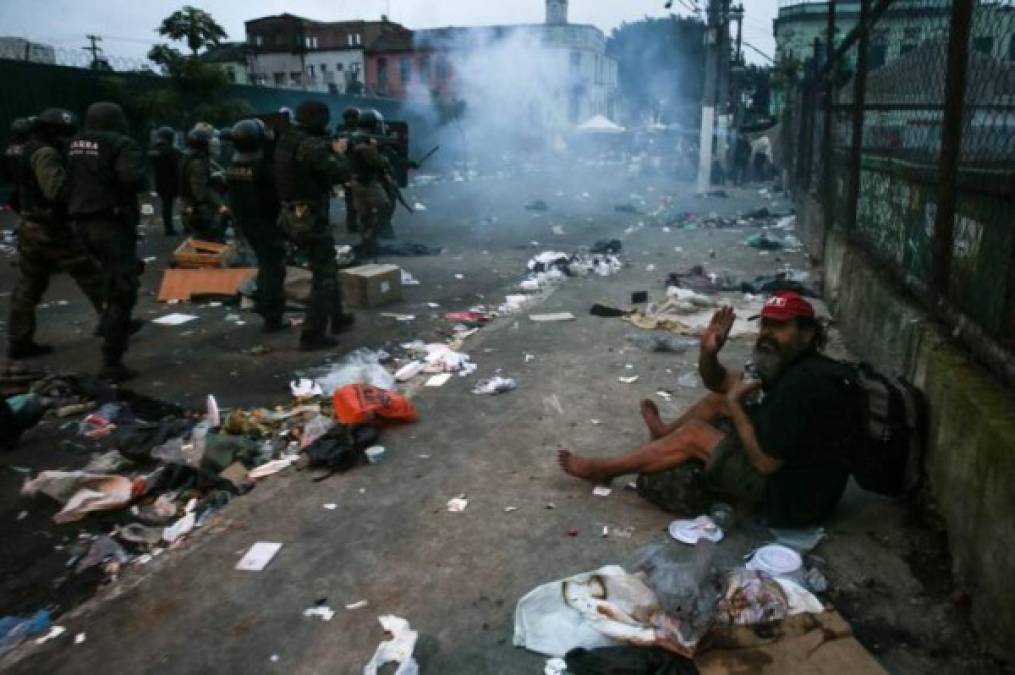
34, 205
362, 169
186, 166
95, 189
295, 180
252, 191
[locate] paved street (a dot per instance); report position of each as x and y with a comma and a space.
391, 542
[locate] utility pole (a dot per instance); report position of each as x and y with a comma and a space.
737, 71
95, 49
708, 99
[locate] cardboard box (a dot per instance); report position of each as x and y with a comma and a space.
371, 285
195, 253
181, 284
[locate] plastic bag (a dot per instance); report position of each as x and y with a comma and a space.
359, 403
359, 367
686, 582
314, 429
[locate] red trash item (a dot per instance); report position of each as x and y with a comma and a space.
474, 317
359, 403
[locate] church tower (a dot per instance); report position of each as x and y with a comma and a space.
556, 12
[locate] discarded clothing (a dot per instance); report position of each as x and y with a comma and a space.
771, 283
14, 630
182, 477
626, 208
627, 661
102, 550
136, 441
538, 205
341, 447
762, 242
696, 278
607, 246
81, 492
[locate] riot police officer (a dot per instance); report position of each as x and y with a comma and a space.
166, 162
203, 206
369, 177
46, 244
350, 123
306, 169
255, 207
105, 173
11, 161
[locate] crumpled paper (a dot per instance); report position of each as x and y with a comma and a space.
398, 649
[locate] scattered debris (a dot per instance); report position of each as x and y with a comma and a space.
457, 504
258, 556
495, 385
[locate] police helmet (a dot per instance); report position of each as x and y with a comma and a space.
247, 137
165, 134
21, 127
199, 138
313, 115
57, 121
350, 117
371, 121
105, 116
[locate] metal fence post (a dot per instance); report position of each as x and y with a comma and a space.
951, 143
827, 187
859, 100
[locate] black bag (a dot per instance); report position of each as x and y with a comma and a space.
341, 448
889, 459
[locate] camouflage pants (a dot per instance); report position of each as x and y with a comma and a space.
112, 244
371, 204
307, 227
45, 250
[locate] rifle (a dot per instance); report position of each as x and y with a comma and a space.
398, 192
427, 156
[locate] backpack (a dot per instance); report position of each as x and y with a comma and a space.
889, 459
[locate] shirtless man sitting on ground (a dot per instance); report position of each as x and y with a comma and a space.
787, 453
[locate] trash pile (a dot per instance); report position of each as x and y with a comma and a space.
670, 603
157, 475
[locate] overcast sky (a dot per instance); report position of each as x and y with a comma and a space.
127, 25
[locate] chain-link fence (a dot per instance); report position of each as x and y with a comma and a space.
902, 127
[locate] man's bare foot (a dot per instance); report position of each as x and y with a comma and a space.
650, 413
583, 468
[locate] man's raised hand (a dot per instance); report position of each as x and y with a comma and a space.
718, 330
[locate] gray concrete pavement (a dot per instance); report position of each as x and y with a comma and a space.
456, 576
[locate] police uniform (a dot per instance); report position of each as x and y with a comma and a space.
305, 171
166, 164
369, 169
255, 206
350, 121
46, 244
10, 163
105, 173
201, 202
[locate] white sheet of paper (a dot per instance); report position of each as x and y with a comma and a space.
438, 380
557, 316
258, 556
174, 319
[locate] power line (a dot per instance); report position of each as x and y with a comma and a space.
763, 54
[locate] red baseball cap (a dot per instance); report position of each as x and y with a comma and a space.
785, 305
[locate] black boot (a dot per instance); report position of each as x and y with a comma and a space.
342, 323
315, 343
27, 350
135, 326
275, 325
115, 372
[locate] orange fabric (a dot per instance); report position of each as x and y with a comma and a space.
359, 403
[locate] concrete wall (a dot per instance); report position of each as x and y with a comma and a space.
971, 458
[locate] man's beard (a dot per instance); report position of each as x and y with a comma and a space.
768, 360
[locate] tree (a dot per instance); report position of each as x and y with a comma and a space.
194, 26
661, 68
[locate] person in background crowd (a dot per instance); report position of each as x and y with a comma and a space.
165, 159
